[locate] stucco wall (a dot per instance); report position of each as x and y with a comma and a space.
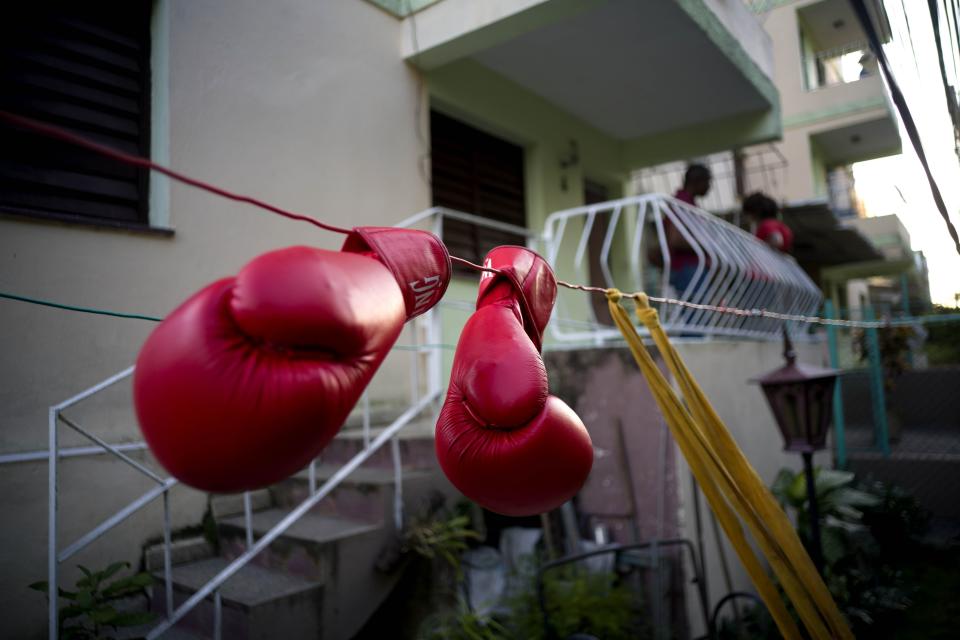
632, 483
723, 370
304, 104
632, 490
808, 112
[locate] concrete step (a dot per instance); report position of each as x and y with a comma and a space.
332, 550
138, 633
366, 495
230, 504
181, 552
307, 549
416, 447
257, 603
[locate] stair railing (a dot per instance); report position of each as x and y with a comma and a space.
426, 358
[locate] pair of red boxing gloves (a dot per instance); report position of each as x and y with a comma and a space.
249, 379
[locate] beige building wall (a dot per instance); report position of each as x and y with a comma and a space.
744, 410
887, 233
304, 104
807, 112
307, 105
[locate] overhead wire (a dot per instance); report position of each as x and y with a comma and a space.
906, 116
70, 307
63, 135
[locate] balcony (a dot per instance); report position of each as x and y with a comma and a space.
624, 244
734, 174
823, 68
571, 56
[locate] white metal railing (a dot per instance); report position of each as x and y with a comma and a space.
434, 216
841, 65
624, 243
163, 487
213, 585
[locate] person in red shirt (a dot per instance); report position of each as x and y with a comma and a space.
683, 260
762, 211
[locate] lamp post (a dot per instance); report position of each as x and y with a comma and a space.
801, 397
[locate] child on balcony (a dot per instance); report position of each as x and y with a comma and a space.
762, 212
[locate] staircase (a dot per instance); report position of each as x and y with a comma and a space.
319, 579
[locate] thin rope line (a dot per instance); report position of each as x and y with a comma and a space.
137, 316
57, 133
473, 265
864, 324
68, 307
761, 313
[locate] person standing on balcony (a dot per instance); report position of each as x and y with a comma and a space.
683, 260
763, 212
696, 184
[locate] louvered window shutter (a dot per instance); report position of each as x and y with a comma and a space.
476, 173
83, 66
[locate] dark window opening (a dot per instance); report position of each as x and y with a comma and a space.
595, 193
84, 67
476, 173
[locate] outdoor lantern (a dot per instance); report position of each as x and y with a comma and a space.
801, 397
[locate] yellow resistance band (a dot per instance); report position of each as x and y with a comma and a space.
732, 487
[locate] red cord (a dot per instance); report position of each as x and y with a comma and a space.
57, 133
473, 265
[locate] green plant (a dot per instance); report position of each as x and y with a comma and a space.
578, 601
839, 503
462, 624
90, 607
865, 532
430, 536
896, 520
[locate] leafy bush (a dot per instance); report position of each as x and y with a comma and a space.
90, 609
867, 533
462, 624
896, 521
578, 601
431, 536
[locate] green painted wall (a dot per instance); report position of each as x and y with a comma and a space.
472, 93
710, 137
819, 168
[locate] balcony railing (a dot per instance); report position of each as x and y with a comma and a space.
761, 168
626, 244
840, 65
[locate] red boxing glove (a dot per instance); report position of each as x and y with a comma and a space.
248, 380
502, 440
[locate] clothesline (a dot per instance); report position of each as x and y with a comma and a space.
58, 133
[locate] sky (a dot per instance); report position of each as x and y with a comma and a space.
897, 184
